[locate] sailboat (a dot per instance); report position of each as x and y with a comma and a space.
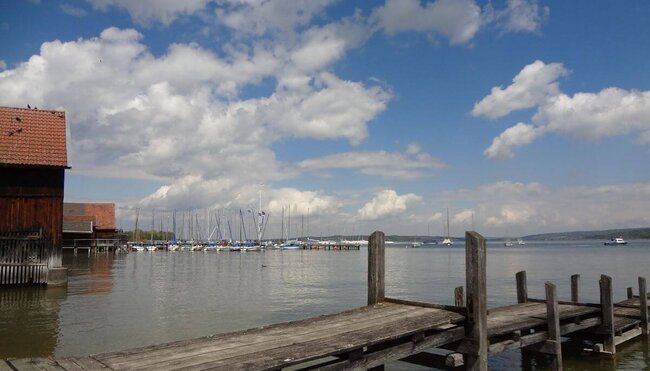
447, 241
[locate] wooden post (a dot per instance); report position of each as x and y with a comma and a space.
476, 324
459, 296
575, 288
522, 287
376, 268
643, 304
607, 308
553, 323
630, 293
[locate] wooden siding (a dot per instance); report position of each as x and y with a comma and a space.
33, 198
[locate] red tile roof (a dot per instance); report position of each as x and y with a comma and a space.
32, 137
103, 214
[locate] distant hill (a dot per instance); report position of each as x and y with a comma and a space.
628, 234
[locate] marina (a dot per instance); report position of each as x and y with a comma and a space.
530, 323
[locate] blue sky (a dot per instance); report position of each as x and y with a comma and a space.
519, 116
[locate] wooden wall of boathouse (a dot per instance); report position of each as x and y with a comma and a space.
31, 198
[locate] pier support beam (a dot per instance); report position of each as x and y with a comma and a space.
476, 323
376, 268
553, 323
607, 310
522, 287
459, 296
575, 288
643, 305
376, 275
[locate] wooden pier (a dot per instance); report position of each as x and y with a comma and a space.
435, 335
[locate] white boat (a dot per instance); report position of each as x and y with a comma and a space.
520, 242
508, 243
416, 244
616, 241
292, 245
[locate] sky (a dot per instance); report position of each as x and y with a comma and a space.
517, 116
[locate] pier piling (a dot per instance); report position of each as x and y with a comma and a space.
476, 317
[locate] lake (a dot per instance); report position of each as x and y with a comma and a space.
136, 299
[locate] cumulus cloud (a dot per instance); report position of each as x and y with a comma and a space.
534, 84
3, 65
611, 111
148, 11
515, 209
410, 165
387, 203
132, 114
519, 135
259, 17
518, 16
458, 20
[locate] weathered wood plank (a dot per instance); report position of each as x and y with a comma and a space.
309, 350
258, 345
476, 330
324, 323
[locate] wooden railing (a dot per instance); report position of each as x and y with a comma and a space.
24, 257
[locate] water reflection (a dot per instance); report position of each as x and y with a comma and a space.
29, 320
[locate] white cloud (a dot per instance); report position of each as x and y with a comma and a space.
515, 209
458, 20
3, 65
148, 11
519, 135
72, 10
411, 165
387, 203
261, 16
534, 84
611, 111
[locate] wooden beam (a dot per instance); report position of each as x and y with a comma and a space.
553, 323
643, 305
372, 359
476, 323
376, 268
434, 360
607, 309
522, 287
459, 296
575, 288
630, 293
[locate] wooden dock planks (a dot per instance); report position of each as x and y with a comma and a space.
281, 345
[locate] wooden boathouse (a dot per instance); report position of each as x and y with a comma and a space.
33, 160
89, 226
460, 336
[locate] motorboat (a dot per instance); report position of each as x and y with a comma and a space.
616, 241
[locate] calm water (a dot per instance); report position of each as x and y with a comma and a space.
118, 302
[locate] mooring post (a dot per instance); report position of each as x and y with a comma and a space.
630, 293
643, 305
575, 288
607, 308
459, 296
476, 323
553, 323
522, 287
376, 268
